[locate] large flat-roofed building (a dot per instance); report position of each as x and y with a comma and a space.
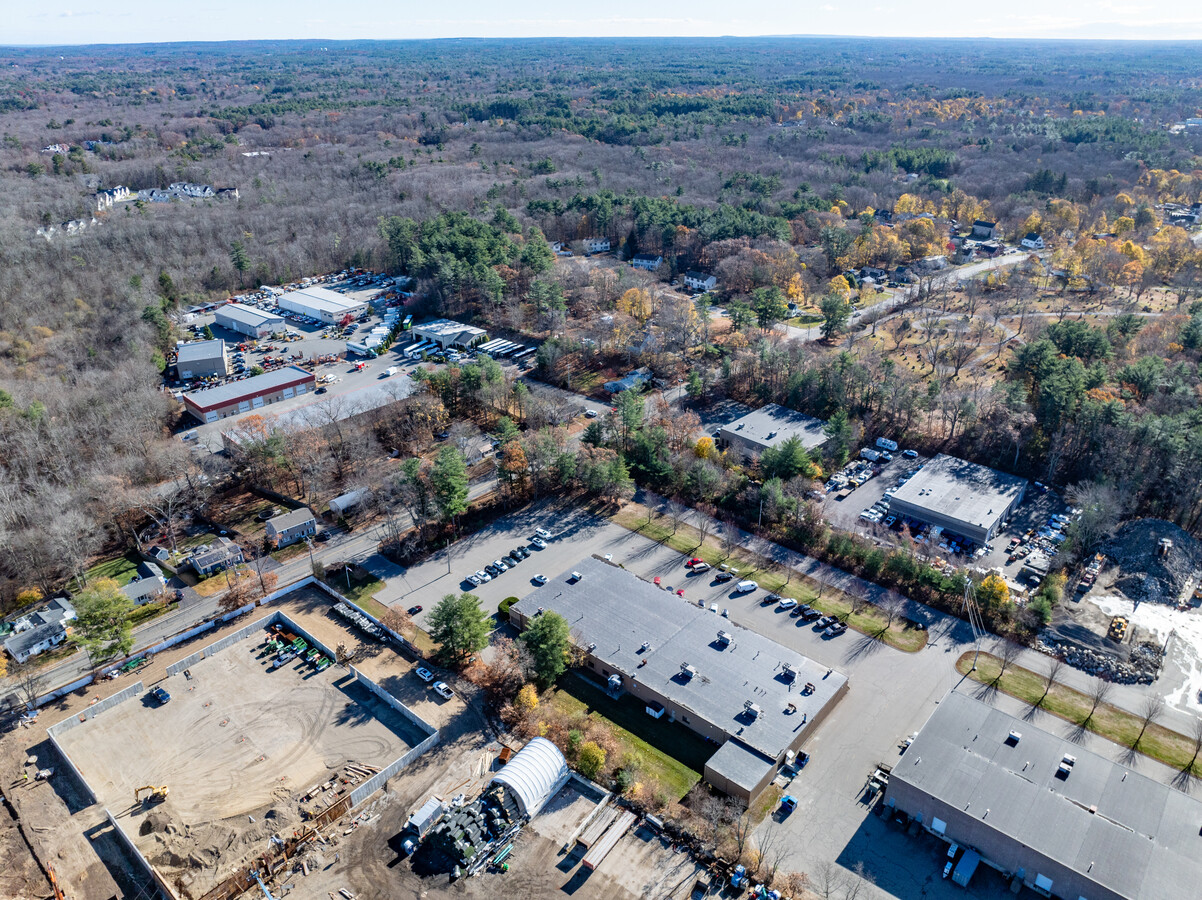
215, 403
769, 426
248, 320
759, 700
1070, 823
322, 304
960, 497
200, 359
449, 333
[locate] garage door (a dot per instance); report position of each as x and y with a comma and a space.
1043, 883
938, 825
288, 392
243, 406
258, 401
300, 389
211, 417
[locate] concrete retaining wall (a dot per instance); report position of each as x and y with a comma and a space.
162, 890
410, 716
63, 691
91, 712
377, 781
179, 638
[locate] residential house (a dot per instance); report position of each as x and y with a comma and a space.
931, 263
1033, 241
596, 245
290, 527
990, 249
146, 585
874, 273
634, 379
647, 262
903, 275
106, 199
188, 189
227, 193
985, 231
221, 554
40, 630
883, 215
699, 281
57, 148
559, 248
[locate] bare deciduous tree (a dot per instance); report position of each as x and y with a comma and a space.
1055, 667
1098, 695
1007, 653
1150, 711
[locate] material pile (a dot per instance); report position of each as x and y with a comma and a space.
1146, 574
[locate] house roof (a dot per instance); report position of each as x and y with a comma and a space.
772, 424
225, 394
195, 351
219, 551
291, 519
697, 276
1122, 830
961, 490
646, 257
1032, 236
981, 223
47, 623
150, 582
249, 315
648, 634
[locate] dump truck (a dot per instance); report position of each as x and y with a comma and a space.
419, 824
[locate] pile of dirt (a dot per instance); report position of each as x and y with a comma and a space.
213, 847
1144, 575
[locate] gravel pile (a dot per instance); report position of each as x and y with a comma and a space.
1141, 667
1145, 576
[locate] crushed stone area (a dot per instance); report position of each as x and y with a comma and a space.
1145, 575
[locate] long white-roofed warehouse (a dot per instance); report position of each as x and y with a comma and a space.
247, 320
1041, 808
321, 304
757, 699
962, 498
215, 403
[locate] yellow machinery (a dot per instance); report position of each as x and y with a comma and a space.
157, 794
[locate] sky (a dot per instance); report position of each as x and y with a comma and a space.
142, 21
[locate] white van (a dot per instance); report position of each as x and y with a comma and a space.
745, 587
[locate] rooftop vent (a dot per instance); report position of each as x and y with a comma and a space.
753, 711
1066, 766
788, 672
687, 671
1013, 738
646, 645
724, 638
592, 647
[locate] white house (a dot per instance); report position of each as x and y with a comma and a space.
39, 631
1033, 241
146, 585
596, 245
188, 189
699, 281
647, 261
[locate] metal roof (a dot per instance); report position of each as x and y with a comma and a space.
323, 299
772, 424
534, 774
225, 394
449, 329
630, 620
248, 315
1122, 830
199, 350
956, 489
739, 764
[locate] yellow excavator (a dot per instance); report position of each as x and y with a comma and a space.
157, 794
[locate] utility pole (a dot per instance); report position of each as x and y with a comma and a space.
974, 620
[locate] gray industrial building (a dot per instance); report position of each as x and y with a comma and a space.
758, 700
200, 359
321, 304
769, 426
960, 497
247, 320
1041, 809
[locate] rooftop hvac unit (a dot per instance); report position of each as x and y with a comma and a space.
592, 647
753, 711
646, 645
724, 638
1013, 738
615, 681
686, 671
787, 672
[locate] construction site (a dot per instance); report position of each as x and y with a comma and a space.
245, 753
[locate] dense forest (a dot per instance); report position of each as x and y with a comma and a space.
765, 161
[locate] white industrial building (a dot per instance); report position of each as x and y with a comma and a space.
248, 320
770, 426
200, 359
962, 498
534, 775
449, 333
321, 304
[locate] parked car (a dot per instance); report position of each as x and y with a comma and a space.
910, 454
701, 567
492, 570
722, 577
483, 576
161, 696
500, 565
424, 674
811, 614
746, 587
442, 690
824, 622
540, 579
474, 580
511, 561
590, 414
837, 629
543, 533
788, 603
538, 542
414, 610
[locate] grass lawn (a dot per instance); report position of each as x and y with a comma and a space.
121, 569
361, 592
1107, 721
868, 620
292, 551
645, 741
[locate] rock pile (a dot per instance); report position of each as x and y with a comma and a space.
1145, 575
1142, 667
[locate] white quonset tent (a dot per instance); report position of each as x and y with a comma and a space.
534, 774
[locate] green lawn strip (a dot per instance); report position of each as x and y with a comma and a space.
146, 612
121, 569
640, 735
869, 620
1110, 722
361, 592
292, 551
